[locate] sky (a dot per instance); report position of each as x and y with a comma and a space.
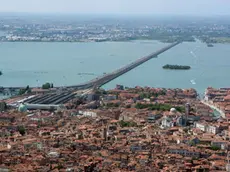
136, 7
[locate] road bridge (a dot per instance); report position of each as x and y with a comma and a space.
85, 88
100, 81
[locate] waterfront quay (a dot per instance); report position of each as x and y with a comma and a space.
211, 105
218, 99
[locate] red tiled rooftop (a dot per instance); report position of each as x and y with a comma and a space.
129, 95
114, 121
227, 97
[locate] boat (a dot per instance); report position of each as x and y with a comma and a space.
210, 45
193, 82
176, 67
86, 74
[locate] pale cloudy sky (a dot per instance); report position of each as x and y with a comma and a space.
187, 7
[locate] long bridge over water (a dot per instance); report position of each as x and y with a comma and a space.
98, 82
95, 83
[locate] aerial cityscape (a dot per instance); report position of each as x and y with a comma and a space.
106, 92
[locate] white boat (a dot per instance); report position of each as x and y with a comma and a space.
193, 82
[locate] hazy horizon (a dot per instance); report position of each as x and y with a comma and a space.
111, 15
119, 7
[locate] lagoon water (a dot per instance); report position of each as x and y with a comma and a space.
31, 63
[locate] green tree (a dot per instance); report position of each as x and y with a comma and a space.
127, 124
3, 106
110, 105
128, 106
21, 91
22, 130
60, 166
25, 90
46, 86
162, 107
192, 143
215, 148
28, 89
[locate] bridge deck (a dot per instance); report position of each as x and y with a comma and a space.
100, 81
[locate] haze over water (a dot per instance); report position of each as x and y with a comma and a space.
60, 63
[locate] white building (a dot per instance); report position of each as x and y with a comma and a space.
213, 129
207, 128
167, 122
220, 144
88, 113
184, 152
109, 97
201, 126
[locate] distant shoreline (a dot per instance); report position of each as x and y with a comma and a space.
91, 41
94, 41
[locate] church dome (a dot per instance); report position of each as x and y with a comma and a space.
22, 108
172, 110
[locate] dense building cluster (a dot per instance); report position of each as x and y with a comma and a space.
73, 29
133, 129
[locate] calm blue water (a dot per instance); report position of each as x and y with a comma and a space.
36, 63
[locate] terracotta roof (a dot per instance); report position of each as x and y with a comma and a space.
227, 97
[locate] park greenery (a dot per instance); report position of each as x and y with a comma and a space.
177, 67
160, 107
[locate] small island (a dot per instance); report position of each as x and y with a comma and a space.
176, 67
0, 73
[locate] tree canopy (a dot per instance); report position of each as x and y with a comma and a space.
25, 90
161, 107
151, 94
127, 124
47, 85
22, 130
